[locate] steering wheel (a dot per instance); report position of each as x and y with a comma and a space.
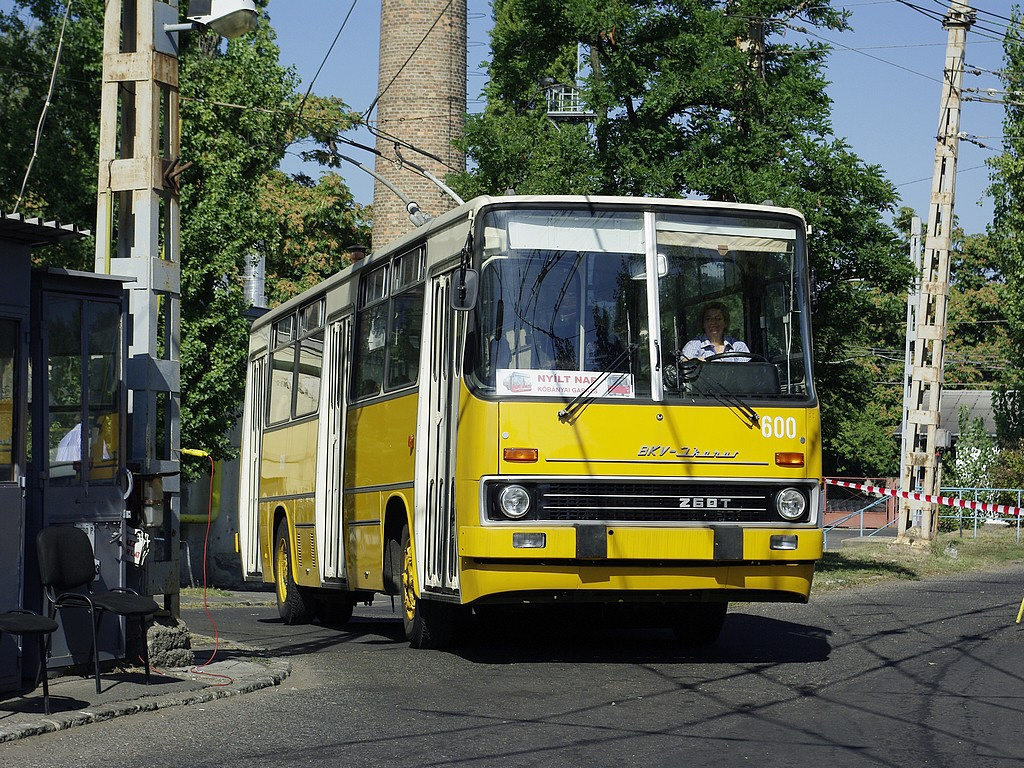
727, 355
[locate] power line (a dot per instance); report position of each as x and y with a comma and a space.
981, 11
995, 30
309, 90
1003, 102
46, 107
401, 69
805, 31
929, 178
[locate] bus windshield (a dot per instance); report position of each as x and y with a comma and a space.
567, 299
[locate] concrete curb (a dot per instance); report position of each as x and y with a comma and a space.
245, 676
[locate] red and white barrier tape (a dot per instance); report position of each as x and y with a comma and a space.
946, 501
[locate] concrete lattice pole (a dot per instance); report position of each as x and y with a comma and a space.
137, 235
921, 468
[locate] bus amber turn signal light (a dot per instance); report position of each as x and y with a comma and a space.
520, 454
783, 459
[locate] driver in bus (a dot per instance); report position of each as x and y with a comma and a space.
715, 339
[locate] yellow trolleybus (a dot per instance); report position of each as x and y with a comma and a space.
497, 409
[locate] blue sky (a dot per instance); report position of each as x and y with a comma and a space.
885, 84
885, 74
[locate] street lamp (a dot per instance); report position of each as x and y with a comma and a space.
228, 18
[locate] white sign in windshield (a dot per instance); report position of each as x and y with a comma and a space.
527, 383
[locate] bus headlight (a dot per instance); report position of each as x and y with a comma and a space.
514, 501
791, 504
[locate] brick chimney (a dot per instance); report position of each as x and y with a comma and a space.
422, 87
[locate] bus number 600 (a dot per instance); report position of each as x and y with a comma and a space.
779, 427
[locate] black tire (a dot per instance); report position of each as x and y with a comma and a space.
393, 561
428, 624
293, 605
334, 609
699, 624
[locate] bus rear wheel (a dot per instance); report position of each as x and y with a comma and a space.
292, 605
698, 624
428, 624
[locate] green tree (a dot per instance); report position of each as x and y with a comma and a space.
978, 350
1006, 234
239, 113
974, 457
315, 223
62, 182
1007, 229
699, 97
236, 204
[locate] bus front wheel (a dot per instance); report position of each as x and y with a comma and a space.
428, 624
292, 605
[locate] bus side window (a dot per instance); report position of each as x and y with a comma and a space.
307, 391
370, 338
296, 364
282, 363
371, 334
404, 342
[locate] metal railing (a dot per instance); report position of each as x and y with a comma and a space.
973, 517
964, 518
566, 101
859, 513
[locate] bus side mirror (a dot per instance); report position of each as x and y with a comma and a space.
465, 289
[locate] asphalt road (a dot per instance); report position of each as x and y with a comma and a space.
912, 674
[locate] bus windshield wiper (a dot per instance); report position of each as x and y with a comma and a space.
734, 403
584, 398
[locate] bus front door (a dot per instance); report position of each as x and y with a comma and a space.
435, 532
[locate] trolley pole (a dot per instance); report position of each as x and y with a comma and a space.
921, 471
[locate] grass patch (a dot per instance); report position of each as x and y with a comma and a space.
192, 597
872, 562
193, 594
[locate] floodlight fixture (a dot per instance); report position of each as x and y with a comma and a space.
228, 18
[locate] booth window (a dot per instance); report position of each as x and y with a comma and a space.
8, 391
83, 342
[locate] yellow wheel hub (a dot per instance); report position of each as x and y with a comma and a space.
281, 571
408, 588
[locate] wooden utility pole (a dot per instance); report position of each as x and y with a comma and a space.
921, 468
137, 231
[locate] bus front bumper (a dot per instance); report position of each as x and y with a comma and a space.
718, 562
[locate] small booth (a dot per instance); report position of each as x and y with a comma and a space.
62, 426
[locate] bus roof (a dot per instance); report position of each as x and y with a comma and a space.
471, 207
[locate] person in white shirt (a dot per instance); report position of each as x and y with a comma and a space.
715, 340
70, 446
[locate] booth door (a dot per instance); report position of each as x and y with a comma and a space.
81, 411
12, 508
